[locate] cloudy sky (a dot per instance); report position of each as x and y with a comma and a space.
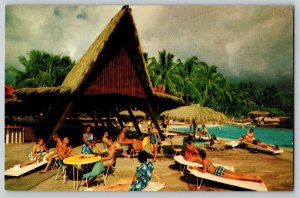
247, 43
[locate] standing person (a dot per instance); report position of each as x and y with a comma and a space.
37, 154
140, 181
221, 171
88, 140
105, 140
154, 139
52, 155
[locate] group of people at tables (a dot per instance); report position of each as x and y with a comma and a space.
62, 150
249, 138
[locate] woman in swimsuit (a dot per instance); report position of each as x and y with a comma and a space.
37, 154
154, 139
249, 136
191, 153
221, 172
88, 139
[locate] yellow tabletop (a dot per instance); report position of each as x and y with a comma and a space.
82, 159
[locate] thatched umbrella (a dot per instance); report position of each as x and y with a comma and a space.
194, 112
136, 113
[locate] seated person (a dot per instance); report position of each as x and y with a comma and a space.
249, 136
98, 167
88, 141
52, 155
140, 181
123, 140
64, 150
214, 140
221, 171
200, 132
204, 131
191, 152
37, 154
264, 145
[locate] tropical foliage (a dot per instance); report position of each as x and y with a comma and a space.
196, 81
199, 82
41, 69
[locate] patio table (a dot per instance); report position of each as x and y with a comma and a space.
80, 159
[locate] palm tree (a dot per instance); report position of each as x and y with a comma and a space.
187, 88
209, 82
42, 69
163, 71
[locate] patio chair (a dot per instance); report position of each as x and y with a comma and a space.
176, 151
140, 145
61, 170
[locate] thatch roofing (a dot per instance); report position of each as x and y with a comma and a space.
93, 60
112, 32
45, 91
258, 113
195, 112
136, 113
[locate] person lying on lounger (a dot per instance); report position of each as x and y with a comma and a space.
265, 145
221, 171
37, 154
191, 152
140, 181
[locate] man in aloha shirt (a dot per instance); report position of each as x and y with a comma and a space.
143, 173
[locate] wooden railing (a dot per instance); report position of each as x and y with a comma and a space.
14, 134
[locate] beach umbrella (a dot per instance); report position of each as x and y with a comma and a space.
195, 112
136, 113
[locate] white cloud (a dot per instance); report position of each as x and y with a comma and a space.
243, 41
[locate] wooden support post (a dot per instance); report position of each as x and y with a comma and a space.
61, 120
119, 118
138, 130
150, 109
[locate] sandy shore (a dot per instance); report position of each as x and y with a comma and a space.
276, 170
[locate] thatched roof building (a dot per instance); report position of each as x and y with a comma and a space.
111, 74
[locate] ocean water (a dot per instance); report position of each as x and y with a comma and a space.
280, 137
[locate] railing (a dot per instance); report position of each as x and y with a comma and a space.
14, 134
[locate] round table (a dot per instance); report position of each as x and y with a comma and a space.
80, 159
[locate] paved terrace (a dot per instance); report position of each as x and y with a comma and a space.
276, 170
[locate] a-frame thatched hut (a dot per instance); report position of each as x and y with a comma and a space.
111, 74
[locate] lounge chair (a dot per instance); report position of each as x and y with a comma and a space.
259, 148
154, 186
183, 162
16, 171
204, 138
234, 143
250, 185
